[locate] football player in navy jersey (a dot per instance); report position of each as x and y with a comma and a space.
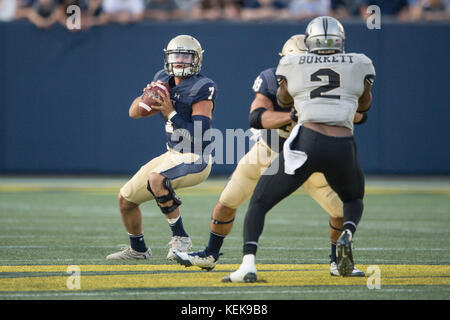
187, 110
276, 124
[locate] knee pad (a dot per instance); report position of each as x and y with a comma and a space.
168, 197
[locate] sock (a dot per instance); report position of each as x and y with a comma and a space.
333, 257
214, 244
250, 248
137, 242
350, 226
176, 225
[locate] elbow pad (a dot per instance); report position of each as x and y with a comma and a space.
255, 118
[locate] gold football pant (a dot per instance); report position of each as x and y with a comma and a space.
182, 169
250, 168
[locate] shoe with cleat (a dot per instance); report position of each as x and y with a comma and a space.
355, 273
245, 273
200, 259
178, 244
345, 264
127, 253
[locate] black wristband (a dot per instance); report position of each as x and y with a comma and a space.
255, 118
294, 115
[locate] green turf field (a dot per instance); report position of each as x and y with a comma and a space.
49, 224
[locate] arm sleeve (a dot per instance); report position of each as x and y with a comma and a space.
283, 67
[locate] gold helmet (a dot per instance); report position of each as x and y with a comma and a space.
183, 56
295, 44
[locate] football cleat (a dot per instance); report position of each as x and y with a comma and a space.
178, 244
344, 254
243, 274
199, 259
127, 253
355, 273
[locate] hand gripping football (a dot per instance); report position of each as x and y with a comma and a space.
147, 99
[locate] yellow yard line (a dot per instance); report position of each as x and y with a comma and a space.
165, 276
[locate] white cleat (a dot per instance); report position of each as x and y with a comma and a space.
128, 253
178, 244
247, 274
246, 271
355, 273
199, 259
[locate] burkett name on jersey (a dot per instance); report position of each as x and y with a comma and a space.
302, 58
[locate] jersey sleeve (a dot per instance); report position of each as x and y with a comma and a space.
266, 83
205, 89
260, 84
285, 65
367, 68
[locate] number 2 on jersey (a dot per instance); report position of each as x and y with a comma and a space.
334, 81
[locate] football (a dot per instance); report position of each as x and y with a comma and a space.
147, 99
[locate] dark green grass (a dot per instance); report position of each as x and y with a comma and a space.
68, 228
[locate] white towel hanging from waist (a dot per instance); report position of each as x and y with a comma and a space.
293, 159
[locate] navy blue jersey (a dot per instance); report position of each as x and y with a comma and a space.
188, 92
267, 85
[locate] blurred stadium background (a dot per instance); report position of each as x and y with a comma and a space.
67, 144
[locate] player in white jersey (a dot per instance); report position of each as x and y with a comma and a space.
338, 78
327, 87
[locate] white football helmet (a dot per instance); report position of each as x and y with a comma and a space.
183, 56
295, 44
325, 35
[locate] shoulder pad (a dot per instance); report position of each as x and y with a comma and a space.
198, 85
290, 59
363, 58
271, 79
159, 74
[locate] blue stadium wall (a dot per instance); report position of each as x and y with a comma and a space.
64, 96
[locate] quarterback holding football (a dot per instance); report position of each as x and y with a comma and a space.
183, 98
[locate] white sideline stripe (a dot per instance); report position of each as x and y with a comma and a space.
145, 106
160, 292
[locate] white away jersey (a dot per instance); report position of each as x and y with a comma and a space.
326, 88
